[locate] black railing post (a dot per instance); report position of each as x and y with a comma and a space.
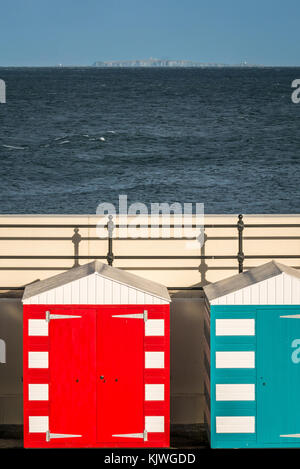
203, 267
240, 256
110, 228
76, 238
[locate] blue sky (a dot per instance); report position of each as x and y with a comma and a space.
79, 32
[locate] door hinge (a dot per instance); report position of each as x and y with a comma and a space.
143, 315
59, 316
49, 435
143, 435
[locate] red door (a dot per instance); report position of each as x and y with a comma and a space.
120, 375
72, 380
100, 376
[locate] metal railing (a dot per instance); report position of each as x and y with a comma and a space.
110, 257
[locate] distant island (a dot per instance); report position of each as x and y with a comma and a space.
164, 63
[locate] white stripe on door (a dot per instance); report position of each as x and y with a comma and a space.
154, 392
37, 359
37, 327
155, 327
155, 424
154, 359
235, 424
235, 327
38, 392
235, 359
235, 392
38, 424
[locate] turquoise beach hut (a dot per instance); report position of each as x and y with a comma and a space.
252, 358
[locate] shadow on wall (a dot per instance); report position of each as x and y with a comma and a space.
11, 361
187, 388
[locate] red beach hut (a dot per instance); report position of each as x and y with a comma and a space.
96, 360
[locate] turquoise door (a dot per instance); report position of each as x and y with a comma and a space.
278, 376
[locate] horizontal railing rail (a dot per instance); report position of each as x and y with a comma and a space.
76, 225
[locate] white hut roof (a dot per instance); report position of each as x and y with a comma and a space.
228, 286
107, 272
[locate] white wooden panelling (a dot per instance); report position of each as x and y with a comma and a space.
280, 290
108, 288
155, 424
67, 294
132, 296
38, 359
84, 289
38, 424
235, 392
235, 327
235, 359
99, 288
154, 359
255, 293
272, 293
287, 282
50, 297
116, 293
59, 296
148, 299
295, 291
38, 392
140, 297
95, 289
247, 296
124, 300
154, 392
238, 297
235, 424
155, 327
37, 327
75, 292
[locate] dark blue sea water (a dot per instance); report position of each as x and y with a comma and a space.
72, 138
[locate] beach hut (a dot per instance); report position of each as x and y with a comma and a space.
96, 360
252, 358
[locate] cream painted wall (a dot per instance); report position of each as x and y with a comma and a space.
57, 241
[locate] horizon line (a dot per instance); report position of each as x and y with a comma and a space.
201, 65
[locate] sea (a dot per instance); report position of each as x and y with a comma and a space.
74, 138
